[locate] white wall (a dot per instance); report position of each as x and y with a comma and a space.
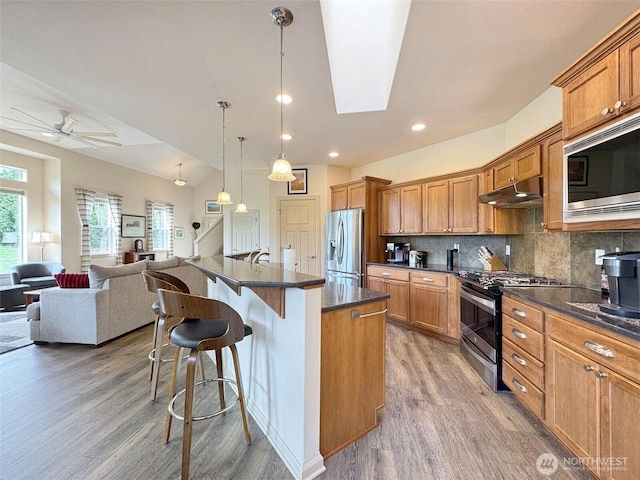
59, 212
473, 150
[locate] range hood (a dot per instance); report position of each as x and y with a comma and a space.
525, 194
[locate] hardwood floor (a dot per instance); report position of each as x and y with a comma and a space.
76, 412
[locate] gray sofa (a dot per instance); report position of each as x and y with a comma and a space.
35, 274
117, 303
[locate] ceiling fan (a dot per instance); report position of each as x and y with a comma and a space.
64, 129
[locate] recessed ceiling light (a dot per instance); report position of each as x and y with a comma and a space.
285, 99
334, 154
418, 126
286, 136
47, 134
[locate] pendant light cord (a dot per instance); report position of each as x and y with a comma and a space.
224, 108
281, 89
241, 186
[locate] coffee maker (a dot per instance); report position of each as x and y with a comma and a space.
623, 271
397, 252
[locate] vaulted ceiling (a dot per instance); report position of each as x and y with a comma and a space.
152, 72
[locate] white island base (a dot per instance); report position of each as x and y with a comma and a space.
280, 367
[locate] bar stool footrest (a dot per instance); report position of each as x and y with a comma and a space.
176, 415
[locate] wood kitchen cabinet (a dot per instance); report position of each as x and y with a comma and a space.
503, 221
395, 282
524, 165
400, 211
523, 352
593, 395
604, 83
363, 193
420, 299
350, 195
553, 182
429, 301
352, 374
450, 205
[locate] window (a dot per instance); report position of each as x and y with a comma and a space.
12, 220
159, 228
101, 228
13, 173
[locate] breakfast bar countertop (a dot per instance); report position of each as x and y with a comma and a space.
581, 303
243, 274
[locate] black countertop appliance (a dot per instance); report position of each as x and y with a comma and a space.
623, 270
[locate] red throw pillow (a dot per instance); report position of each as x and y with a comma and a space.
72, 280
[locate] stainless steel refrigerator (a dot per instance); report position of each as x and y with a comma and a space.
345, 247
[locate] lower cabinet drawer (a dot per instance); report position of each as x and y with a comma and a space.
525, 391
523, 363
525, 337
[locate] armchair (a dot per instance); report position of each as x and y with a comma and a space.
36, 274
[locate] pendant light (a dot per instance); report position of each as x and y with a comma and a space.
223, 197
281, 171
180, 181
241, 208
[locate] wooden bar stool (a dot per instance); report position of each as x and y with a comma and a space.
154, 280
207, 324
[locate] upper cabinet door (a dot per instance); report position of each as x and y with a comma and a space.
630, 74
390, 211
356, 195
339, 198
411, 209
463, 204
435, 207
589, 100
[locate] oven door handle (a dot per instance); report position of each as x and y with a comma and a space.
486, 304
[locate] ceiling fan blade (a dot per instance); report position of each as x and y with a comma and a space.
31, 116
48, 129
81, 140
115, 144
97, 134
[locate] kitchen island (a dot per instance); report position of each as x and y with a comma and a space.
294, 381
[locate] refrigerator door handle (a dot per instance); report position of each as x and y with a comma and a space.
340, 247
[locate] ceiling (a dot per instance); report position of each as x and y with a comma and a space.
152, 72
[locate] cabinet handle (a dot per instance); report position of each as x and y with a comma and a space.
543, 224
518, 333
599, 374
521, 361
311, 256
385, 274
606, 111
355, 314
444, 230
619, 104
588, 368
521, 387
519, 313
427, 279
599, 349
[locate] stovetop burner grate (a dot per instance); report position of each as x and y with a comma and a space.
506, 278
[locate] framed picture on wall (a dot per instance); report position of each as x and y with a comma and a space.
133, 226
178, 232
211, 206
577, 169
299, 185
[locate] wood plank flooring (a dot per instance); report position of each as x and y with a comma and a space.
76, 412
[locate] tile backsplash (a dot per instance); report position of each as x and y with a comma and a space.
568, 257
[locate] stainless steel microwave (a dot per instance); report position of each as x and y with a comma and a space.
602, 174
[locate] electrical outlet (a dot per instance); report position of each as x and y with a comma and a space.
507, 250
599, 253
456, 246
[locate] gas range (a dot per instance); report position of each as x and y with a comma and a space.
493, 280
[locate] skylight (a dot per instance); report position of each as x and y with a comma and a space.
363, 44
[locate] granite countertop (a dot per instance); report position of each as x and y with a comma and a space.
432, 267
580, 303
241, 273
337, 295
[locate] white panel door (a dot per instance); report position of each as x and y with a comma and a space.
299, 228
246, 231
